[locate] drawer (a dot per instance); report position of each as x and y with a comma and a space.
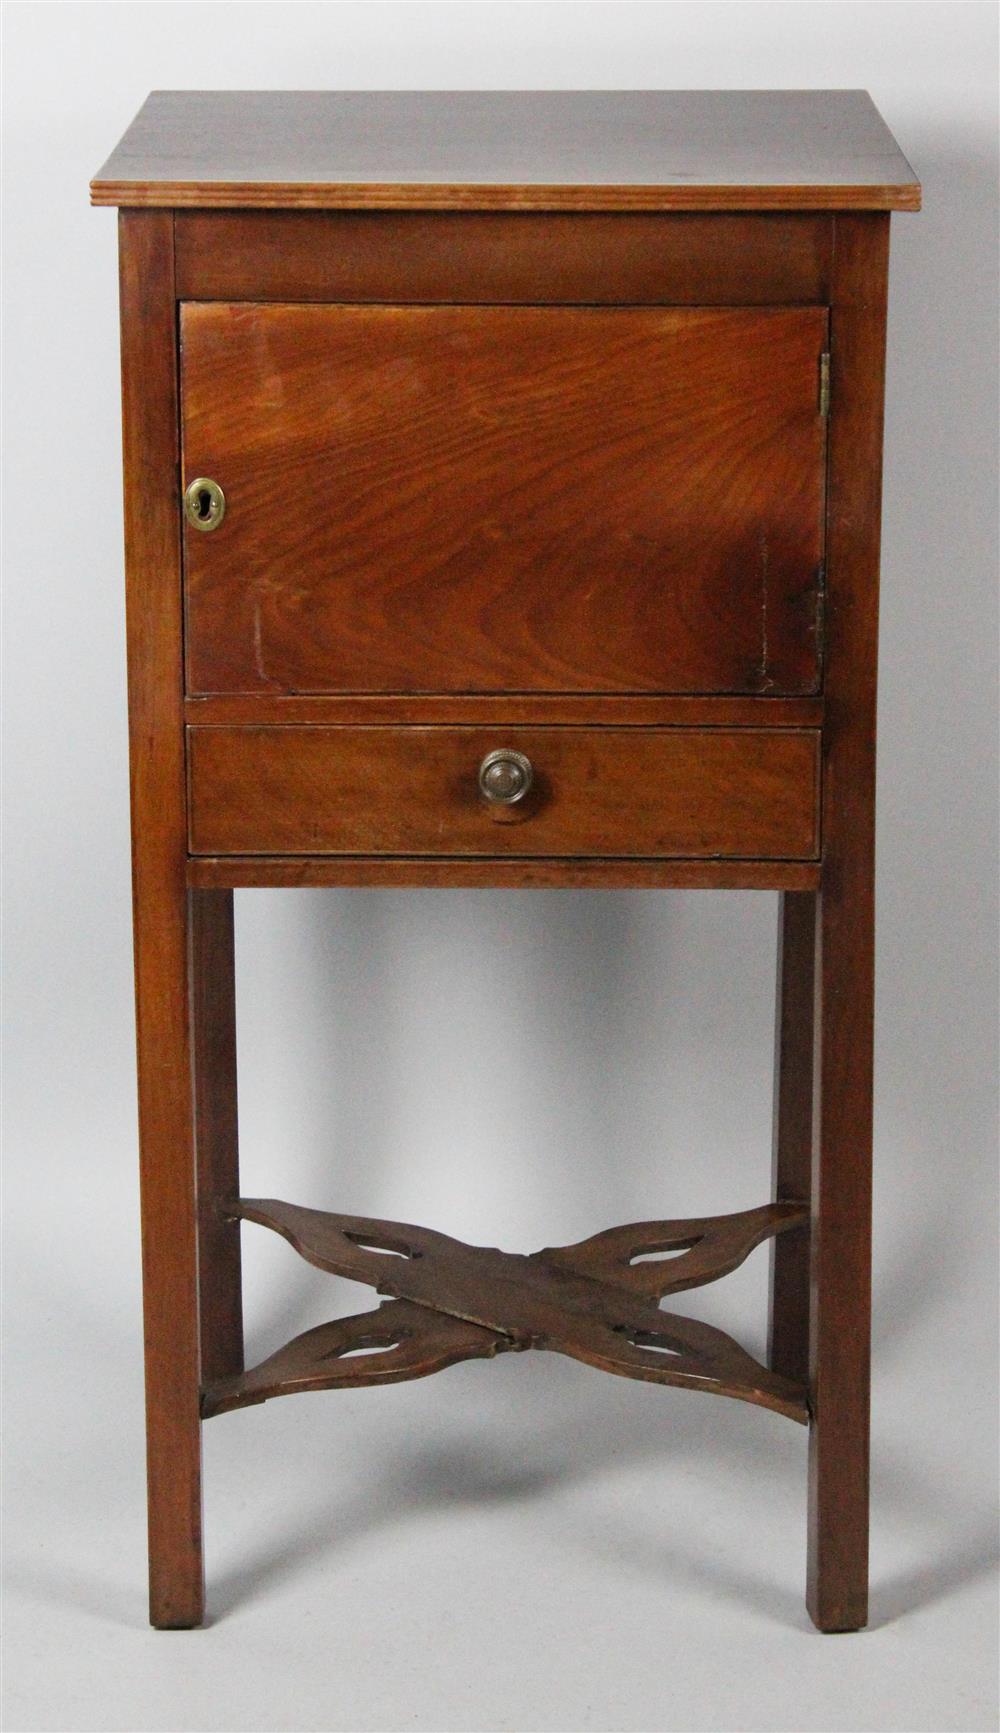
504, 499
641, 792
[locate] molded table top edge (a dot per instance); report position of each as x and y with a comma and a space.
421, 196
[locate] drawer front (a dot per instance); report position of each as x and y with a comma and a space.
504, 499
641, 792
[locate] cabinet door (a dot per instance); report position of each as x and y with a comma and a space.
504, 499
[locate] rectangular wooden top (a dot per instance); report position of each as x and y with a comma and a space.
603, 150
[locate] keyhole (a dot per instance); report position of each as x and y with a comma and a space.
204, 503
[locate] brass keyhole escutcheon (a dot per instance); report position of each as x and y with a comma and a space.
204, 503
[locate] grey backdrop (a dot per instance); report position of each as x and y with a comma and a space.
519, 1545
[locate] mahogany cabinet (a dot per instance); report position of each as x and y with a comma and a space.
502, 482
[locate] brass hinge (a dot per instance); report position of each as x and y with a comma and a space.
824, 385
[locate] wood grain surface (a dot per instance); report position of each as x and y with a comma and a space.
550, 150
620, 710
504, 499
794, 1042
517, 257
213, 1019
597, 1301
415, 791
164, 964
840, 1329
446, 872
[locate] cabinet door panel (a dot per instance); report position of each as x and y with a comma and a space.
493, 499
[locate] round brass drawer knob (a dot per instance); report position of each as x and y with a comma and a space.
505, 777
